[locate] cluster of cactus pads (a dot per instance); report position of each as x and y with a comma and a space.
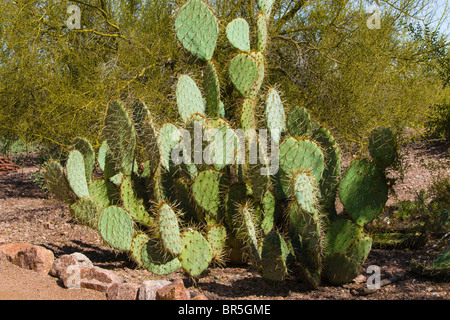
192, 214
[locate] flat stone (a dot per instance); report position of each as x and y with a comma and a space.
63, 262
200, 297
35, 258
174, 291
148, 289
122, 291
72, 276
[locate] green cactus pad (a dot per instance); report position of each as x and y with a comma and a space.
266, 6
197, 29
331, 174
246, 231
344, 236
305, 189
158, 261
169, 229
211, 86
262, 32
340, 269
298, 122
238, 33
197, 253
57, 182
168, 138
133, 205
85, 212
307, 240
102, 152
270, 211
237, 193
383, 147
146, 132
206, 192
274, 254
189, 98
103, 192
248, 115
259, 57
121, 136
85, 147
363, 191
275, 116
217, 238
347, 249
297, 155
116, 227
139, 242
243, 72
76, 174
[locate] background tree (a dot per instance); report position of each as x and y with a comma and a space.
55, 83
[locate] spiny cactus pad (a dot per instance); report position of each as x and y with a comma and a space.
197, 253
197, 29
56, 181
363, 191
85, 147
211, 86
273, 257
262, 32
266, 6
298, 122
116, 228
238, 33
275, 116
76, 174
85, 212
189, 98
156, 260
169, 229
243, 72
206, 192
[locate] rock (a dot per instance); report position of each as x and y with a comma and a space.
35, 258
148, 289
122, 291
2, 240
174, 291
12, 249
99, 279
62, 263
72, 275
200, 297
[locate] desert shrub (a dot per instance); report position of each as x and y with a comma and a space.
439, 122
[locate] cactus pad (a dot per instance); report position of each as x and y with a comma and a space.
189, 98
363, 191
298, 122
197, 29
169, 229
243, 72
275, 116
206, 192
76, 174
238, 33
85, 147
116, 228
156, 260
56, 181
274, 254
197, 253
85, 212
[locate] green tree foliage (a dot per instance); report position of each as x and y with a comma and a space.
55, 83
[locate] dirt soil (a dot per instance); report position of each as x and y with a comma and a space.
28, 214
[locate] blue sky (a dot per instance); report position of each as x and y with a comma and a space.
439, 6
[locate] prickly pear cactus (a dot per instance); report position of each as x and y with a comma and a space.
245, 187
